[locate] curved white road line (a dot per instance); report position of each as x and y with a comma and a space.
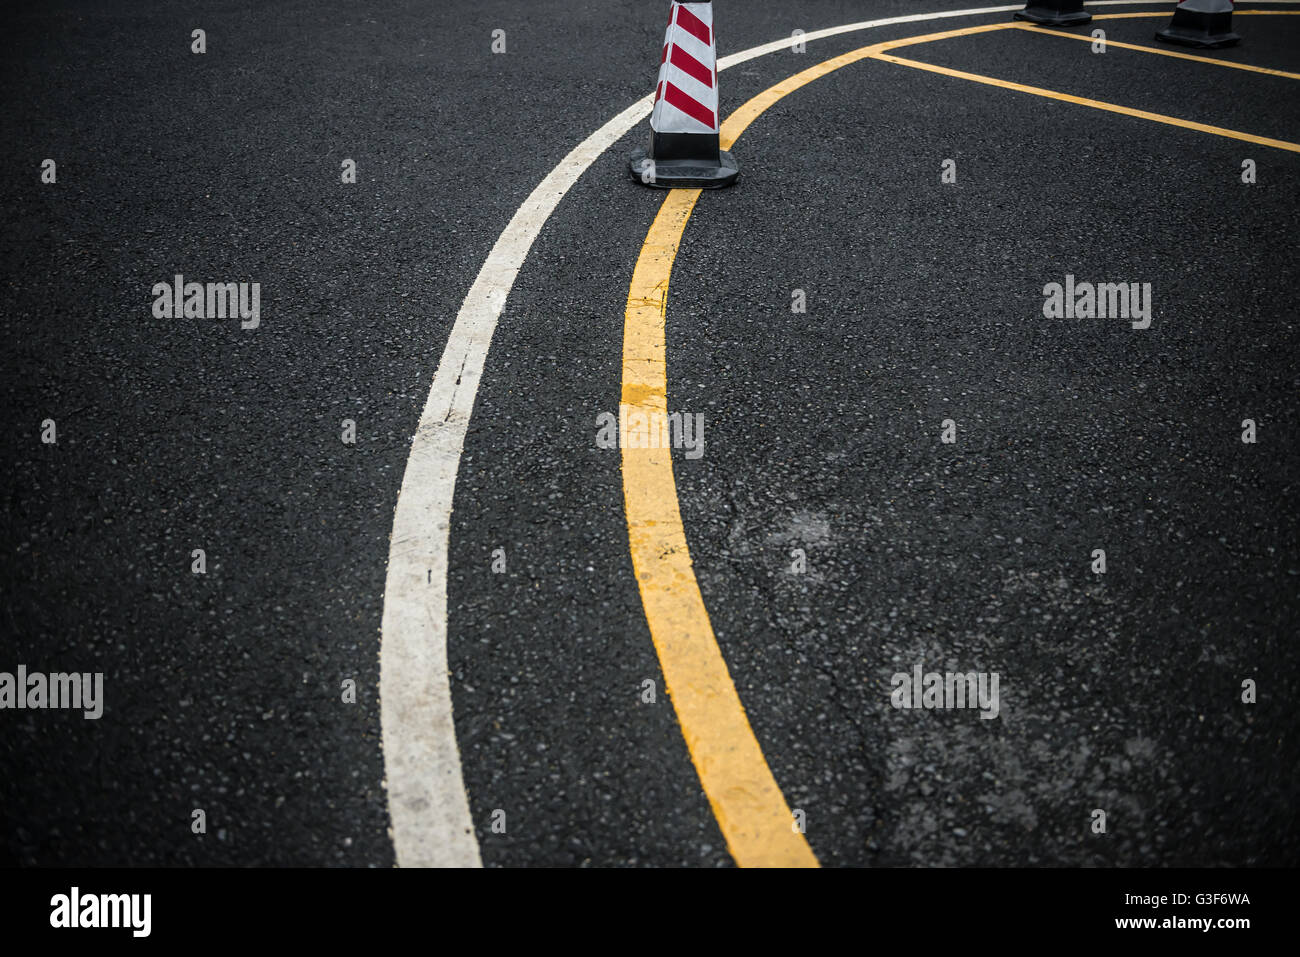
431, 823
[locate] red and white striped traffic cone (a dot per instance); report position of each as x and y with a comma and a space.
1201, 23
684, 123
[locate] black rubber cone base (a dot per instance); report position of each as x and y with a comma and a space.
1062, 13
1208, 28
684, 173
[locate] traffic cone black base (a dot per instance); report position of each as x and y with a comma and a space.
1055, 13
687, 173
1201, 23
677, 160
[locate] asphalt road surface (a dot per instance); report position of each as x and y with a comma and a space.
837, 539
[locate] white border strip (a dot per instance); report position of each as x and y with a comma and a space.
431, 823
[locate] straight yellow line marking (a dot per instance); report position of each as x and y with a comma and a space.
752, 813
1095, 104
1181, 56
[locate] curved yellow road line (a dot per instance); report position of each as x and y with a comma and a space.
752, 814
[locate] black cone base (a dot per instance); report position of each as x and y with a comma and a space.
1201, 23
685, 173
1055, 13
